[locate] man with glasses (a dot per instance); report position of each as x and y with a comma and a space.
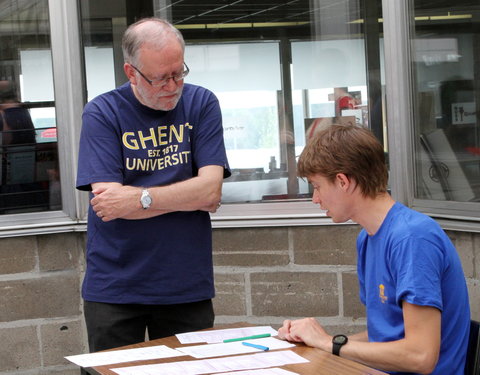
153, 156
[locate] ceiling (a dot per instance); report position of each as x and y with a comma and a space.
229, 12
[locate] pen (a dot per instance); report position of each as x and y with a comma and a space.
261, 347
248, 337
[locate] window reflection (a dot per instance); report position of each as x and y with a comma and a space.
29, 174
274, 72
447, 129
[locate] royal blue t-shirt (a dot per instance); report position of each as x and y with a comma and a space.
411, 259
166, 259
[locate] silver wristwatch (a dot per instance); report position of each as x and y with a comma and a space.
146, 199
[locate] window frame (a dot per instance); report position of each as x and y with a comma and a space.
398, 29
69, 81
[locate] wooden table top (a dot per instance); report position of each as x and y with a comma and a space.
321, 362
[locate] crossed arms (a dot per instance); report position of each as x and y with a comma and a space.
113, 200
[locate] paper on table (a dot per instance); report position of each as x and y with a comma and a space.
216, 365
263, 371
125, 355
217, 350
218, 335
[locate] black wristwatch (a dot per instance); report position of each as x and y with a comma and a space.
338, 341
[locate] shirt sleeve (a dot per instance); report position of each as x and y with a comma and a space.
417, 266
209, 145
100, 158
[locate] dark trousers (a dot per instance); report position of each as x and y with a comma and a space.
113, 325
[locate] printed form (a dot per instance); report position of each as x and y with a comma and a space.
217, 350
122, 356
216, 365
219, 335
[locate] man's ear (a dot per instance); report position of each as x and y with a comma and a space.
343, 180
130, 73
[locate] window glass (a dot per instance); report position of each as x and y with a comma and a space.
29, 173
447, 107
280, 73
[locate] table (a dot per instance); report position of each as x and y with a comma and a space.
321, 362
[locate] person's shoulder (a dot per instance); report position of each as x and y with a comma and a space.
410, 215
191, 90
109, 96
411, 224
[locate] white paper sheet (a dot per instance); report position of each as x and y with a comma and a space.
219, 335
263, 371
216, 365
217, 350
122, 356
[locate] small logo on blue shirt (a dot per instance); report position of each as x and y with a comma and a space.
383, 297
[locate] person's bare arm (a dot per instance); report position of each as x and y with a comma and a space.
417, 352
203, 192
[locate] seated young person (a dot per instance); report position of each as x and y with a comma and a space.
410, 276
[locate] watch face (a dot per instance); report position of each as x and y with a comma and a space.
340, 339
146, 199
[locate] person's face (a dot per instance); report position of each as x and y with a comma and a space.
331, 196
157, 64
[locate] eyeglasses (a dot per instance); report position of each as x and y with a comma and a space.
163, 81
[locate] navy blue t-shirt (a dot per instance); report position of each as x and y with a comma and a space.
411, 259
166, 259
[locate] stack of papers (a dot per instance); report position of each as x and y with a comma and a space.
264, 363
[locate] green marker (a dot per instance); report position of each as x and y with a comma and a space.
248, 337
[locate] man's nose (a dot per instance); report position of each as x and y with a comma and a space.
315, 197
171, 84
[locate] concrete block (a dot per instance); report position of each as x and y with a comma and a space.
60, 340
59, 251
474, 297
70, 370
229, 295
476, 255
325, 244
20, 349
463, 242
352, 307
294, 294
44, 297
250, 247
345, 329
17, 254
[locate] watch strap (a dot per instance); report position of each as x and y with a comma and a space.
337, 342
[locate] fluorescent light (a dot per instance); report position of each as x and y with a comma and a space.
239, 25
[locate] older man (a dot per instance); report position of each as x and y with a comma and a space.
152, 154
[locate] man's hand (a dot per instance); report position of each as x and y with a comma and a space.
308, 331
114, 201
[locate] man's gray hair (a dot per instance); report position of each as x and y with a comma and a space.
152, 31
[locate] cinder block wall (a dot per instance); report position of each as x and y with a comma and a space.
40, 304
263, 275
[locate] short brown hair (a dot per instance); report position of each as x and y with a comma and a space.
348, 149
